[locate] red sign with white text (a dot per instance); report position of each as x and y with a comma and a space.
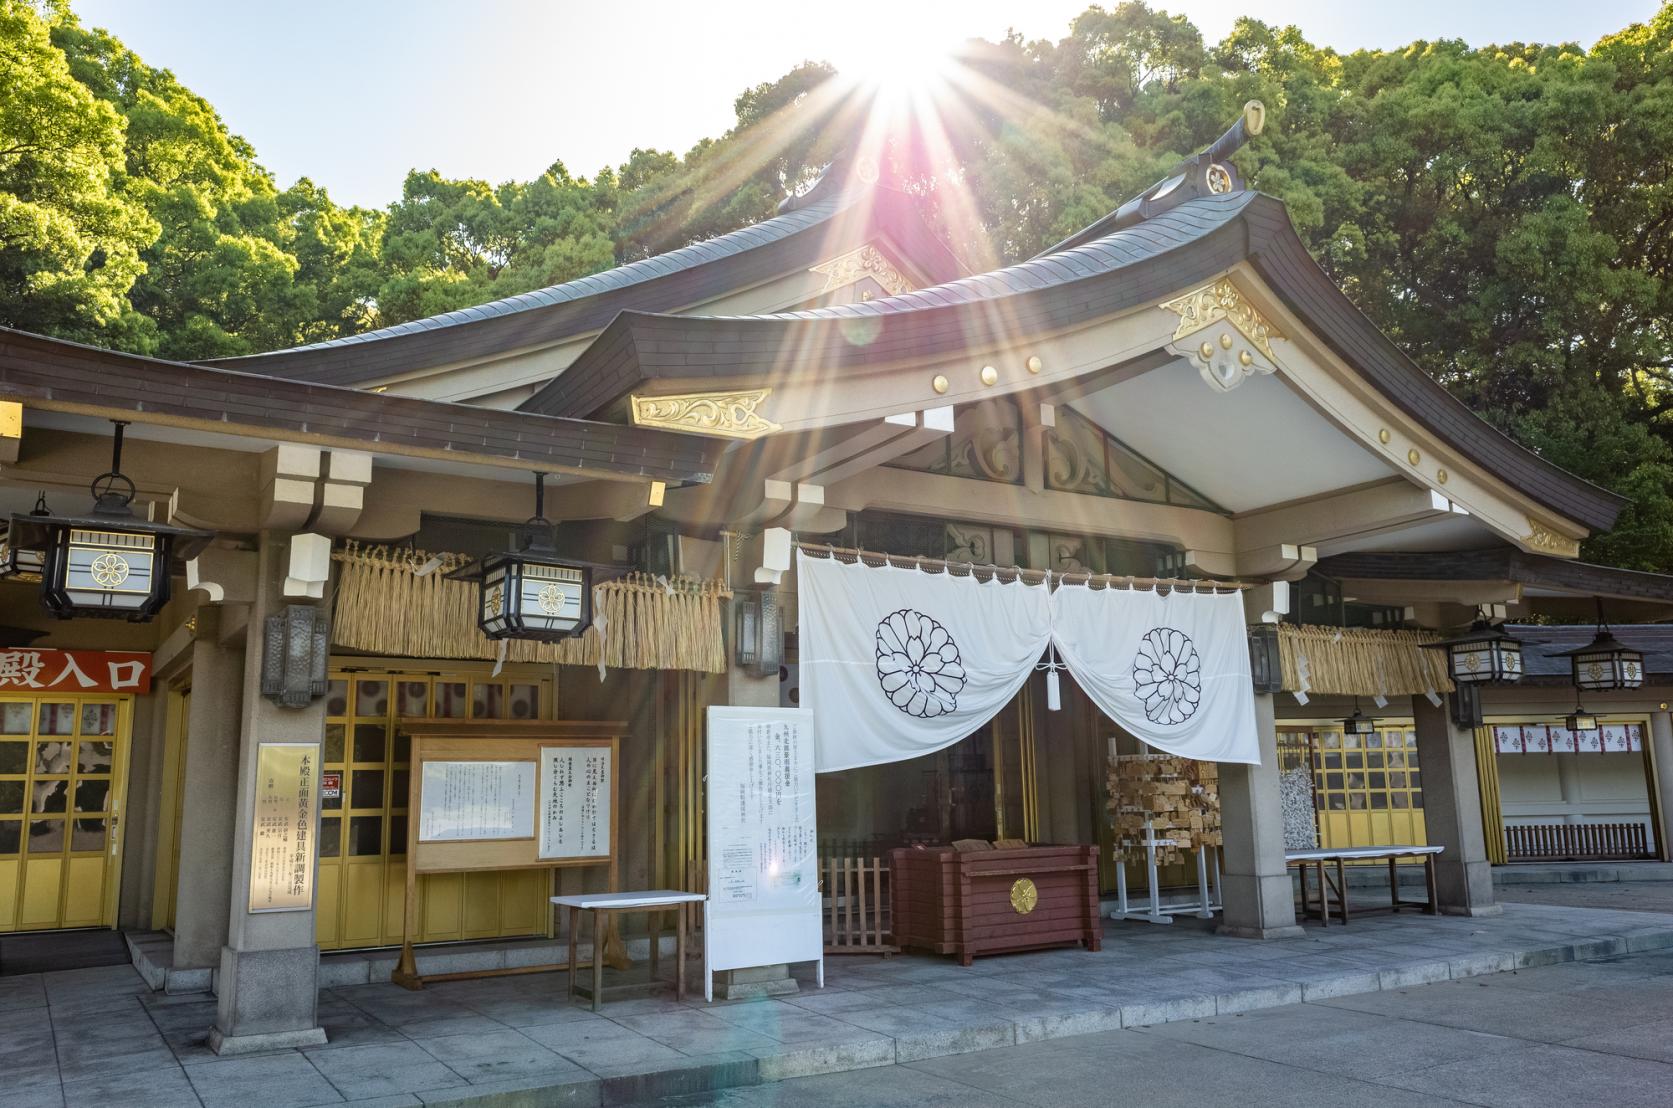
74, 671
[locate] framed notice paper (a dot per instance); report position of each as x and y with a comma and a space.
282, 846
575, 794
465, 801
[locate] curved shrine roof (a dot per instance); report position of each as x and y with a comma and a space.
1182, 247
837, 214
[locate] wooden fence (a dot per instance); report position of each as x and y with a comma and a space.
1573, 842
855, 902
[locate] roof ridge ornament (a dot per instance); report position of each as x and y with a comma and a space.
1207, 173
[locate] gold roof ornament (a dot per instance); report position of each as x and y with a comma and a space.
730, 415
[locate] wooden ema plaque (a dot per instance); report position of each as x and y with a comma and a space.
996, 901
506, 794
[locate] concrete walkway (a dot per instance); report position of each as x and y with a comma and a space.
99, 1036
1598, 1032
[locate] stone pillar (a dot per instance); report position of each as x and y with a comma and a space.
210, 797
1661, 747
1452, 811
268, 992
1259, 898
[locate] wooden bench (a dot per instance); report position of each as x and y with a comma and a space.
1337, 882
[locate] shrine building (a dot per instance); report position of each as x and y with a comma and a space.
1176, 397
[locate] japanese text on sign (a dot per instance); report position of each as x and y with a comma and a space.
476, 800
575, 801
107, 671
764, 847
282, 844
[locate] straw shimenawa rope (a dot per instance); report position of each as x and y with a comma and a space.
1352, 661
385, 607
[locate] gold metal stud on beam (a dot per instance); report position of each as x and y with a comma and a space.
1383, 436
990, 376
939, 383
1034, 363
1244, 358
1225, 341
1207, 351
1413, 457
1441, 475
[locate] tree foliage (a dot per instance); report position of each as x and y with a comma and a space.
1503, 212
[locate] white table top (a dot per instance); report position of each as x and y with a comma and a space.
654, 898
1351, 852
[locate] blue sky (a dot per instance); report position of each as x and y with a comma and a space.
353, 93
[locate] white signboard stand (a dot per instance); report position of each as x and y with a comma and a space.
763, 906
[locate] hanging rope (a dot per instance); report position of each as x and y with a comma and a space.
385, 605
1360, 661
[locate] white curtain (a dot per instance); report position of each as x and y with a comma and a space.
1172, 670
898, 663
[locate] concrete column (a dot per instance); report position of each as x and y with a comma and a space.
1260, 900
210, 797
1452, 811
268, 994
1661, 740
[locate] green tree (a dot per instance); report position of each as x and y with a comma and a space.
70, 238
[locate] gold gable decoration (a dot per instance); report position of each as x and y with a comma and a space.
1361, 661
730, 415
866, 261
1210, 304
385, 606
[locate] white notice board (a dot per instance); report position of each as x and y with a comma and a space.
476, 800
763, 905
574, 801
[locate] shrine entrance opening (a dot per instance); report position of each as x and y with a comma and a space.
63, 773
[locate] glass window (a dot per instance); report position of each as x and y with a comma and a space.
46, 836
1400, 799
334, 742
58, 719
11, 835
95, 757
452, 700
371, 698
366, 790
525, 701
1356, 802
52, 757
14, 757
330, 837
489, 702
337, 698
98, 719
369, 742
412, 698
87, 835
50, 796
92, 795
14, 718
398, 835
365, 836
1379, 800
11, 798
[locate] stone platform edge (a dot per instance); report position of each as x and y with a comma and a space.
761, 1066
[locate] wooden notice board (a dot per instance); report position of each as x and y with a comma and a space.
507, 794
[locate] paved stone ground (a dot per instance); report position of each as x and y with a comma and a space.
1628, 896
99, 1036
1595, 1032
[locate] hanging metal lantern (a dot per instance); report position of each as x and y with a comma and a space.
23, 561
1358, 723
108, 563
1580, 720
532, 592
1485, 654
1606, 662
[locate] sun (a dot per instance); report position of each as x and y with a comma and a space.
901, 61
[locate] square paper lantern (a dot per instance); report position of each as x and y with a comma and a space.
1482, 655
533, 594
1605, 663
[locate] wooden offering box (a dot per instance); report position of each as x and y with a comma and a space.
995, 901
